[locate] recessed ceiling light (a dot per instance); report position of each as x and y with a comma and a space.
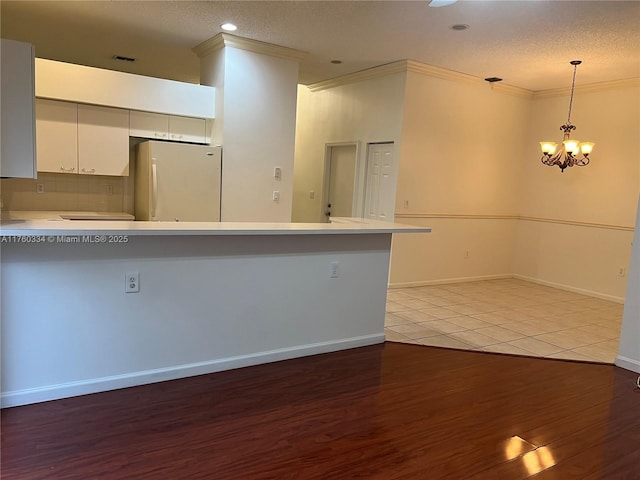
336, 62
228, 27
459, 26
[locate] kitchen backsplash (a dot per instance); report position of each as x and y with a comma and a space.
65, 192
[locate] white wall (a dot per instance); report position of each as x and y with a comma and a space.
205, 304
629, 352
257, 131
367, 111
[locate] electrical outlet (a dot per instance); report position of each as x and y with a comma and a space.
132, 282
312, 194
277, 173
276, 196
622, 272
466, 254
335, 270
39, 187
406, 204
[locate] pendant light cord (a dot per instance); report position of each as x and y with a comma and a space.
573, 84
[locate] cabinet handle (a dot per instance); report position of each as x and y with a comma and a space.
84, 170
176, 136
70, 169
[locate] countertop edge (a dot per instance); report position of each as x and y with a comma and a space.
93, 227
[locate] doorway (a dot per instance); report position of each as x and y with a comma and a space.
356, 188
341, 180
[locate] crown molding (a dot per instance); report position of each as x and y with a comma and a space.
403, 66
368, 74
445, 74
222, 40
591, 87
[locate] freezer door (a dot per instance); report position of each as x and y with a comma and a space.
185, 182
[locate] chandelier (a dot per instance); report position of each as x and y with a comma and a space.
572, 152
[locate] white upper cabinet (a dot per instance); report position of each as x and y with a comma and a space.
103, 140
83, 139
57, 136
187, 129
149, 125
167, 127
17, 134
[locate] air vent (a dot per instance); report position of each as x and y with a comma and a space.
122, 58
492, 79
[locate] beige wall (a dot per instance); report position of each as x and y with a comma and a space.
596, 203
469, 168
367, 111
458, 177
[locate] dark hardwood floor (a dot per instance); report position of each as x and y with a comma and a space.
391, 411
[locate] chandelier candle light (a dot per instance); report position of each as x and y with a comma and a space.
569, 153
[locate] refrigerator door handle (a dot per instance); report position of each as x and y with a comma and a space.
154, 191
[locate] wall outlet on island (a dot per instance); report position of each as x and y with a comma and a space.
335, 269
132, 282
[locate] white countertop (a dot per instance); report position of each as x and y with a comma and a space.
64, 215
15, 227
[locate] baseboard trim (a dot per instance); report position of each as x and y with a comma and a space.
445, 281
568, 288
103, 384
627, 363
426, 283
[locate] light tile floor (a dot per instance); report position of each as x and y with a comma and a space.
506, 316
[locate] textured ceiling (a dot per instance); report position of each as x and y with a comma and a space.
527, 43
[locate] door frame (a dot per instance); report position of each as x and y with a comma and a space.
357, 207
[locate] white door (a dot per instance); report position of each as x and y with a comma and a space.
381, 182
342, 164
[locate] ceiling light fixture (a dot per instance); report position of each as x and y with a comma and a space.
441, 3
228, 27
122, 58
459, 27
569, 153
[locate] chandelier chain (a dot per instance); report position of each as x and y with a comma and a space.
573, 84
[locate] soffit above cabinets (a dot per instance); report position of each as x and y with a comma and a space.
96, 86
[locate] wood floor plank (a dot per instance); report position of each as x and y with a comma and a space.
391, 411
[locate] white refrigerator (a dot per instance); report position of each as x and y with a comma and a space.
177, 182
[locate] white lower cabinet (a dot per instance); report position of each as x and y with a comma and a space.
83, 139
175, 128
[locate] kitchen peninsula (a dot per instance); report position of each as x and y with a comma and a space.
211, 297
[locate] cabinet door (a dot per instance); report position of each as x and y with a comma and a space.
17, 125
149, 125
57, 136
103, 140
187, 129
